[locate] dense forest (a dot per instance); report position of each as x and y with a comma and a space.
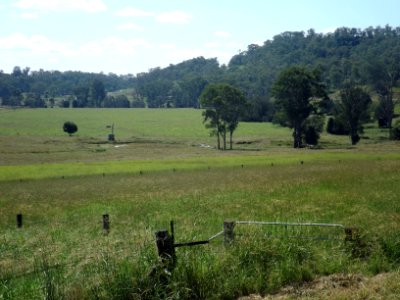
369, 57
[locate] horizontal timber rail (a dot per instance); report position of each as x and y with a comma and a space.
199, 242
290, 224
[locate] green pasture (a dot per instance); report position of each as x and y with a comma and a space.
180, 124
157, 172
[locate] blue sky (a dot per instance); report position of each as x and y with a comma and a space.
133, 36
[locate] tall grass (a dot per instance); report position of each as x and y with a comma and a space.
65, 214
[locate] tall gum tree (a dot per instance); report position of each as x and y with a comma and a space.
224, 106
353, 108
294, 91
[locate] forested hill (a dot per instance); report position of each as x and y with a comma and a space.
366, 56
369, 57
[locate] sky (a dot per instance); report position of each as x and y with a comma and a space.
133, 36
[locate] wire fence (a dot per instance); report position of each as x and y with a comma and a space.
165, 242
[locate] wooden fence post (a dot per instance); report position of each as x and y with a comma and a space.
19, 220
106, 223
349, 234
229, 235
166, 249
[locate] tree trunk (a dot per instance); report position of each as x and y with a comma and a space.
218, 141
390, 110
224, 136
297, 137
230, 139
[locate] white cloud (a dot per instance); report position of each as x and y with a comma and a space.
37, 44
62, 5
111, 54
223, 34
168, 17
129, 26
125, 46
29, 16
114, 46
40, 45
174, 17
133, 12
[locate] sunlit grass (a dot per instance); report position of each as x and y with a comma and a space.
156, 123
63, 218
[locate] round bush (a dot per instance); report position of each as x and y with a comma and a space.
70, 127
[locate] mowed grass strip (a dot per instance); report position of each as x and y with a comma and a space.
48, 170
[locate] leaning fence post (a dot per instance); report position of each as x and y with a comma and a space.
106, 223
229, 235
166, 249
19, 220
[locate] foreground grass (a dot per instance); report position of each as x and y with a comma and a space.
62, 229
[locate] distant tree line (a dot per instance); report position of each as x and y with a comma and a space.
23, 87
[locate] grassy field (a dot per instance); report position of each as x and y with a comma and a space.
157, 172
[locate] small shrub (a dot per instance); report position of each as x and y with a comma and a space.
311, 136
312, 129
65, 103
395, 132
336, 126
359, 245
391, 247
70, 127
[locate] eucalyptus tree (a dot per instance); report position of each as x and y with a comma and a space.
384, 72
295, 91
353, 109
223, 105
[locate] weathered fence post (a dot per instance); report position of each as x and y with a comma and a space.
19, 220
106, 223
349, 234
166, 249
229, 235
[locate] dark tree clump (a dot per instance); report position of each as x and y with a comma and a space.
395, 132
336, 126
70, 128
